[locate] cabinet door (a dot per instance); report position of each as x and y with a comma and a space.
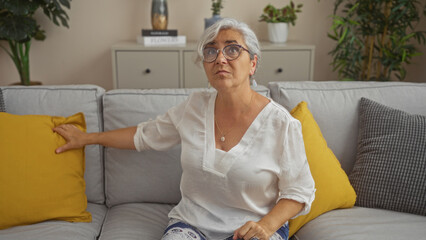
193, 75
147, 69
284, 65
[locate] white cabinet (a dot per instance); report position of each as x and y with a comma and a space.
136, 66
144, 69
284, 65
193, 74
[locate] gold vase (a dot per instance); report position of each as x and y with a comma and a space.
159, 15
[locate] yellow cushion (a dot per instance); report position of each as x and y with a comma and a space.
333, 189
35, 183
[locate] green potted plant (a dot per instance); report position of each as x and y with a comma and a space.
216, 7
278, 20
375, 39
18, 27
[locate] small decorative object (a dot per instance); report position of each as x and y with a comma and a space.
278, 19
18, 26
159, 15
216, 7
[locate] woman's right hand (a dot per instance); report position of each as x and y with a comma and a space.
75, 137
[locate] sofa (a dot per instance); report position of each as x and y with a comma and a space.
130, 193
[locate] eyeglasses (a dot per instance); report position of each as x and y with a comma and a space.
230, 52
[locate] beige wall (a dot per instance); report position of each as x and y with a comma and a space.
82, 55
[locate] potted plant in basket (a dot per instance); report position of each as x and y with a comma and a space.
278, 20
18, 27
216, 7
375, 39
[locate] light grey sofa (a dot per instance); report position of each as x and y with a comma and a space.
131, 193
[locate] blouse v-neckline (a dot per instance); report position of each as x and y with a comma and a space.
223, 164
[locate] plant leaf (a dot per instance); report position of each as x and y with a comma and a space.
65, 3
17, 28
20, 7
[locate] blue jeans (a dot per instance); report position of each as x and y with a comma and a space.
177, 230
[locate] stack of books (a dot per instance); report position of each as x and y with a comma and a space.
170, 37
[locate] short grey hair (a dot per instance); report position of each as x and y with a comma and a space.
211, 33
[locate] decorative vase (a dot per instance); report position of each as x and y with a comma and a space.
278, 32
210, 21
159, 14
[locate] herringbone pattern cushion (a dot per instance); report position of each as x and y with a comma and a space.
390, 169
2, 107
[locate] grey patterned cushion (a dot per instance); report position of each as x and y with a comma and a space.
390, 169
2, 107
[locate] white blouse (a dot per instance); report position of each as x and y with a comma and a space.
223, 190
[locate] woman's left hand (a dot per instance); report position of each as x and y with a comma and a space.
253, 230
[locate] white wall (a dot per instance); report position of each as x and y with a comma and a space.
81, 54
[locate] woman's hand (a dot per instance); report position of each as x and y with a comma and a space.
253, 230
75, 137
271, 222
119, 138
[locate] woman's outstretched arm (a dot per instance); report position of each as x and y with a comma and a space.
120, 138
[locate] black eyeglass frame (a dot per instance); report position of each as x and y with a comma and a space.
217, 52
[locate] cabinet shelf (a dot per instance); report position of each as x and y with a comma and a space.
137, 66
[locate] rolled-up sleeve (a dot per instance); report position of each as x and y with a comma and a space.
162, 133
295, 180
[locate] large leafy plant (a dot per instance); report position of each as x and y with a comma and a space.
375, 38
286, 14
18, 27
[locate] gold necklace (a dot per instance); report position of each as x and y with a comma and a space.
222, 138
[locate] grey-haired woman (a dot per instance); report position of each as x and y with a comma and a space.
245, 172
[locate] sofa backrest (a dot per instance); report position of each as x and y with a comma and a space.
66, 101
334, 106
147, 176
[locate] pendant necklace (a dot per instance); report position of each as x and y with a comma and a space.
222, 138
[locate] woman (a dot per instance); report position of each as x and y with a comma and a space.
245, 172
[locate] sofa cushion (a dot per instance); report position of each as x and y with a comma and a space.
36, 184
64, 101
364, 223
136, 221
54, 230
334, 106
2, 108
389, 172
148, 176
333, 189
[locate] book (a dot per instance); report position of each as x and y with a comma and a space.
161, 41
159, 33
